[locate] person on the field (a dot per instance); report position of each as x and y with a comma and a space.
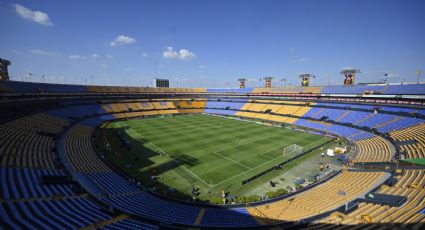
194, 192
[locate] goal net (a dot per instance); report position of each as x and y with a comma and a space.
292, 150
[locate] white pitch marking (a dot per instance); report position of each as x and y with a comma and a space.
240, 142
162, 151
216, 152
246, 143
230, 159
251, 168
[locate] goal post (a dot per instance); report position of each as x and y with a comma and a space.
293, 150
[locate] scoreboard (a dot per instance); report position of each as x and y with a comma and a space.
161, 83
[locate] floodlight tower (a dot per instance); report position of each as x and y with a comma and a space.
268, 81
350, 75
4, 73
242, 82
305, 78
418, 72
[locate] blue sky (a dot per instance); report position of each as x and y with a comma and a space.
212, 43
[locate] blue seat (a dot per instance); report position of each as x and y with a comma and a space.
131, 224
238, 217
150, 206
5, 217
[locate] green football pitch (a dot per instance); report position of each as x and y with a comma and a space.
209, 152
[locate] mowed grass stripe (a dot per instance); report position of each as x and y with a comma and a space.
194, 140
176, 129
180, 163
226, 167
198, 142
198, 138
202, 138
187, 137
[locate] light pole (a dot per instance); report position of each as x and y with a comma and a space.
418, 72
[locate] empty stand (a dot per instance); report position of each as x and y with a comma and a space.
375, 149
406, 215
415, 133
326, 197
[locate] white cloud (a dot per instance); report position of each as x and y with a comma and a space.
181, 79
299, 60
76, 56
144, 54
202, 67
17, 52
103, 65
170, 53
183, 54
347, 67
122, 40
252, 79
186, 55
109, 56
45, 53
380, 74
291, 49
393, 75
91, 57
55, 79
36, 16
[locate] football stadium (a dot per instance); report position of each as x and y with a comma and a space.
242, 153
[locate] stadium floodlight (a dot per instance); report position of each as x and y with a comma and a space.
418, 72
293, 150
4, 73
349, 70
242, 82
349, 73
268, 81
305, 78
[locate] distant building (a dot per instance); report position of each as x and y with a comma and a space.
161, 83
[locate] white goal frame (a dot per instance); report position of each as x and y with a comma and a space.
294, 148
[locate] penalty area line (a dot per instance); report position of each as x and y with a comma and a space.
250, 142
180, 163
251, 168
230, 159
